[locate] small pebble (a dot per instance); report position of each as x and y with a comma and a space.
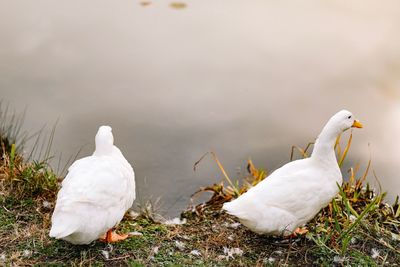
105, 254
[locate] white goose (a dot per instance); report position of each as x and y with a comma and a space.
293, 194
95, 194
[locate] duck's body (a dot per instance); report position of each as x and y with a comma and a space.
293, 194
286, 199
95, 194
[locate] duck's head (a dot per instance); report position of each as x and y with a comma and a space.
344, 120
104, 140
338, 123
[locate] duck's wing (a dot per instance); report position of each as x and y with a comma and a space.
94, 180
290, 189
128, 172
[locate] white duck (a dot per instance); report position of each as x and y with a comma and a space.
95, 194
293, 194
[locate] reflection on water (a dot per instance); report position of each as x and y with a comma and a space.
243, 80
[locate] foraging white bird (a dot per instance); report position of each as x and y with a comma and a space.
293, 194
95, 194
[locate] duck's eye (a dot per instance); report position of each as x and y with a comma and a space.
349, 117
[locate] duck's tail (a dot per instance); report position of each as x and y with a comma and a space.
62, 226
228, 208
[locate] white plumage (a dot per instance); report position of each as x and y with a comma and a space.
95, 194
293, 194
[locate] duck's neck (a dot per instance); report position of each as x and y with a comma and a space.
104, 143
103, 150
324, 148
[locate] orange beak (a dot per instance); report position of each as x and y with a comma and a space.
357, 124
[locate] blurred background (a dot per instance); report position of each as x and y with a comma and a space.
244, 79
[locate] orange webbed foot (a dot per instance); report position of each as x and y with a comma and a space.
297, 232
112, 237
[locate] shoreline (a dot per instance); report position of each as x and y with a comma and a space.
202, 236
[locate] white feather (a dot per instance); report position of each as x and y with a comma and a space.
95, 194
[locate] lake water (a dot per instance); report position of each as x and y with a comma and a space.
242, 79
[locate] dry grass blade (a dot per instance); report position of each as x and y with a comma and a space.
222, 169
256, 175
11, 129
337, 146
198, 162
222, 193
20, 178
352, 176
220, 196
251, 168
346, 150
303, 152
362, 180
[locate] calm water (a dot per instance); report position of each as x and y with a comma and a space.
242, 79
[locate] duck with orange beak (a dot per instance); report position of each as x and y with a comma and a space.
293, 194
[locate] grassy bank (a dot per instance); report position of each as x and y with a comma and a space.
357, 228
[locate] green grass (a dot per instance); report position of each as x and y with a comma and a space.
24, 229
